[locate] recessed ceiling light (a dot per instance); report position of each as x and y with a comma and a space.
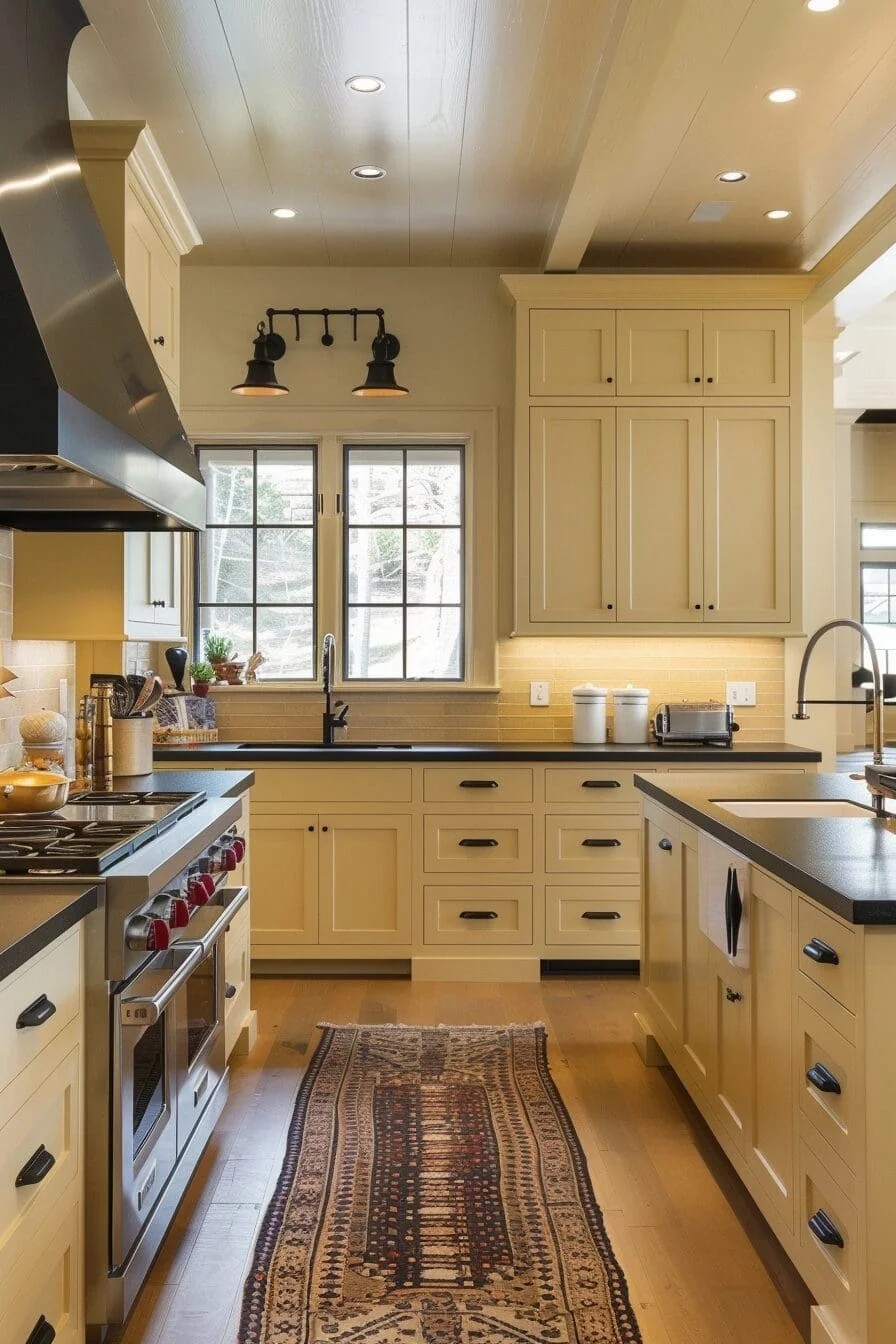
364, 84
777, 214
733, 175
822, 6
283, 212
782, 95
368, 172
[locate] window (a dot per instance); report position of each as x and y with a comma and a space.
256, 560
877, 588
370, 540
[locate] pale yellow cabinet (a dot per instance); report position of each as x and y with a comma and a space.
153, 584
660, 353
663, 918
572, 521
284, 854
572, 352
681, 353
152, 276
731, 1046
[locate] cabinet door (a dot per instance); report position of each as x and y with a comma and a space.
660, 515
152, 278
572, 352
165, 569
732, 1072
698, 1022
746, 477
770, 1151
659, 353
365, 879
663, 929
284, 882
746, 354
138, 583
572, 507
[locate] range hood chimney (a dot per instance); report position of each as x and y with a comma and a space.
89, 436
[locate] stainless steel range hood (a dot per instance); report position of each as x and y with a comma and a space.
89, 436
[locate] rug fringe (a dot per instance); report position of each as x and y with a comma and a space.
426, 1026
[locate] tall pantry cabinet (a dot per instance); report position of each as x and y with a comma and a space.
657, 454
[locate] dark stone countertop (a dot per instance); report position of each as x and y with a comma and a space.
446, 752
215, 783
847, 864
33, 915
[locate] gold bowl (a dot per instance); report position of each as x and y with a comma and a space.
32, 791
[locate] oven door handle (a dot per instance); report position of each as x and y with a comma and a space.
142, 1010
232, 899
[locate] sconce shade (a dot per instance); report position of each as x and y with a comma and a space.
261, 379
862, 678
380, 380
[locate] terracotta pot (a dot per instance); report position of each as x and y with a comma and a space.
200, 688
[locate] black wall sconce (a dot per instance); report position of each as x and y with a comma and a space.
269, 346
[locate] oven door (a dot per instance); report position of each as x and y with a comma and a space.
144, 1091
200, 1010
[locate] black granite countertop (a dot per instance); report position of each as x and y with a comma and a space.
847, 864
570, 752
33, 915
215, 783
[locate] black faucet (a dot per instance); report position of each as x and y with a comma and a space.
331, 721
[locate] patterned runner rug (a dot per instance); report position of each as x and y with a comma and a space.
434, 1192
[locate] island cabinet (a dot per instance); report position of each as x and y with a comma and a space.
42, 1191
787, 1051
657, 417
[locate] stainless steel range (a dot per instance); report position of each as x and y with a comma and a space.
171, 868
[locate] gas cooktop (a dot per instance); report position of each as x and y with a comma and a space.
90, 834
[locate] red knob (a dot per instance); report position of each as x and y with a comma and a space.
228, 859
200, 889
179, 913
157, 938
239, 848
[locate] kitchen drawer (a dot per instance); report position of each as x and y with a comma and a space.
477, 784
833, 1065
836, 944
49, 1119
320, 784
606, 915
611, 790
457, 844
48, 984
577, 844
831, 1272
46, 1282
477, 913
236, 977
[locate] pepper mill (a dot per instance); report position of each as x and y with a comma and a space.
84, 732
177, 661
102, 740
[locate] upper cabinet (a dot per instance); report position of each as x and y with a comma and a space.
658, 453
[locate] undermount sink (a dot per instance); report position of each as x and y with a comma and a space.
320, 746
794, 807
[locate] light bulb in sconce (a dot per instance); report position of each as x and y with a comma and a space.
5, 676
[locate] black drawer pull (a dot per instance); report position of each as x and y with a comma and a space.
229, 989
43, 1333
478, 842
38, 1012
821, 1226
478, 914
601, 784
478, 784
601, 914
823, 1079
822, 952
36, 1168
666, 844
598, 842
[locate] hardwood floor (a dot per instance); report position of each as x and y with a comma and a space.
699, 1259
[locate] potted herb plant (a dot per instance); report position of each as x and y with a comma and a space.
201, 674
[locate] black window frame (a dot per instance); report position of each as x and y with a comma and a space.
461, 528
255, 527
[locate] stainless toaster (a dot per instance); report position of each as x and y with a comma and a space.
707, 723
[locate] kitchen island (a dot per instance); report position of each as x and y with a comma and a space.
769, 984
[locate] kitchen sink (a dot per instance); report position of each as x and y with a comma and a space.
319, 746
794, 807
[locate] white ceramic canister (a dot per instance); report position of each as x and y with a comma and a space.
589, 713
132, 745
630, 715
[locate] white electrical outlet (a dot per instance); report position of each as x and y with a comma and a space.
539, 693
740, 692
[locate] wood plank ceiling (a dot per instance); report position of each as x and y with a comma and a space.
518, 133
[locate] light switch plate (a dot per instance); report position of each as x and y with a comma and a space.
740, 692
539, 693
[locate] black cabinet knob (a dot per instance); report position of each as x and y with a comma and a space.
610, 379
609, 606
158, 340
732, 995
697, 379
665, 844
696, 606
709, 379
229, 990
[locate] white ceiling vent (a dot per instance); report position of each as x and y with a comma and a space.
710, 212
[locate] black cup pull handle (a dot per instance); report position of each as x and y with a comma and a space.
601, 784
478, 784
478, 842
818, 950
822, 1226
666, 844
478, 914
601, 914
823, 1079
38, 1012
36, 1168
598, 842
43, 1333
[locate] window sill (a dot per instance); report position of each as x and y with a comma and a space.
315, 690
